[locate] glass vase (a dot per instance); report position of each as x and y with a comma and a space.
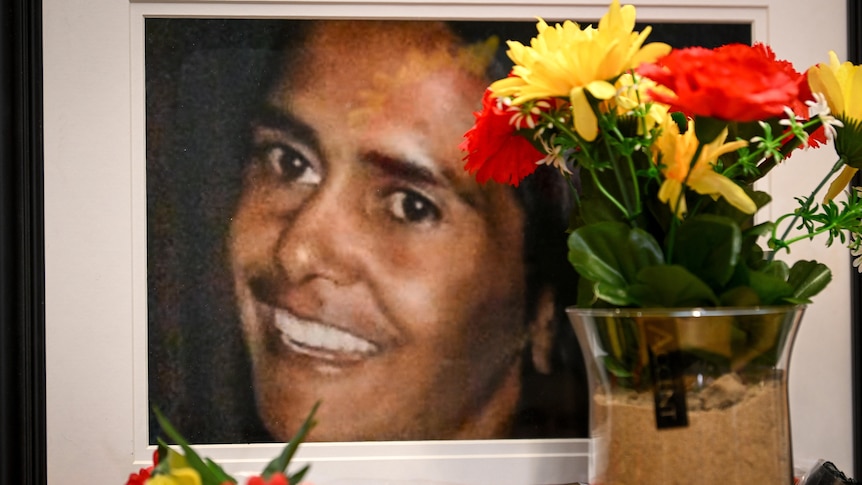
682, 396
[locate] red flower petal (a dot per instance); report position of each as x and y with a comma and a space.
276, 479
140, 477
735, 82
494, 150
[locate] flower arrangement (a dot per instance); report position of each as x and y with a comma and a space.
662, 148
171, 467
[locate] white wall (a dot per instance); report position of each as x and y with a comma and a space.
94, 237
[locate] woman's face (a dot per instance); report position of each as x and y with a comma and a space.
372, 272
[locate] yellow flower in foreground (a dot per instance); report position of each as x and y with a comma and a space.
841, 84
566, 61
178, 476
675, 152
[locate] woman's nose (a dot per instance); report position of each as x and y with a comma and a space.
318, 239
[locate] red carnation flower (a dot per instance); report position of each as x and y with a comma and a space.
735, 82
275, 479
494, 149
144, 473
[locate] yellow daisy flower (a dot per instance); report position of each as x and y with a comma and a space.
567, 61
841, 84
675, 152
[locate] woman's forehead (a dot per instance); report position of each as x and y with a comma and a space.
386, 47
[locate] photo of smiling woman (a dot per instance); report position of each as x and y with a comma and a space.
312, 236
370, 269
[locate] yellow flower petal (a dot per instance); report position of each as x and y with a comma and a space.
586, 123
179, 476
564, 57
840, 183
822, 79
601, 89
712, 183
853, 91
675, 152
669, 194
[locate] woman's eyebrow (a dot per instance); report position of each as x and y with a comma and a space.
417, 172
402, 168
272, 117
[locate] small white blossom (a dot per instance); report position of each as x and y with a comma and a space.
554, 156
529, 117
791, 119
820, 108
759, 139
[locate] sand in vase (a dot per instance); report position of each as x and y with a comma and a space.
737, 435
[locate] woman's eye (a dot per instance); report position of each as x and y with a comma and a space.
409, 206
289, 165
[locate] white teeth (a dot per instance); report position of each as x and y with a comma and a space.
306, 334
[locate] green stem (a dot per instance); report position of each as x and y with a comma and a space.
810, 235
805, 206
607, 194
632, 207
584, 147
767, 164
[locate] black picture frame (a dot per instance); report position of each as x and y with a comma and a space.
854, 55
22, 268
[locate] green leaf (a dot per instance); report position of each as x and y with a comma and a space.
709, 247
611, 254
615, 295
778, 269
279, 463
707, 129
671, 286
218, 471
594, 206
615, 367
768, 283
299, 475
808, 278
208, 475
681, 121
740, 296
586, 297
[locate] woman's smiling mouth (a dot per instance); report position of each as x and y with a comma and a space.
319, 340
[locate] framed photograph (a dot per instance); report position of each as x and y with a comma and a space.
153, 115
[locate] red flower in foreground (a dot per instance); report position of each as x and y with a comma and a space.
275, 479
144, 473
735, 82
494, 150
140, 477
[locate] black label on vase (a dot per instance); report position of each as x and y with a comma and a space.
666, 367
669, 390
